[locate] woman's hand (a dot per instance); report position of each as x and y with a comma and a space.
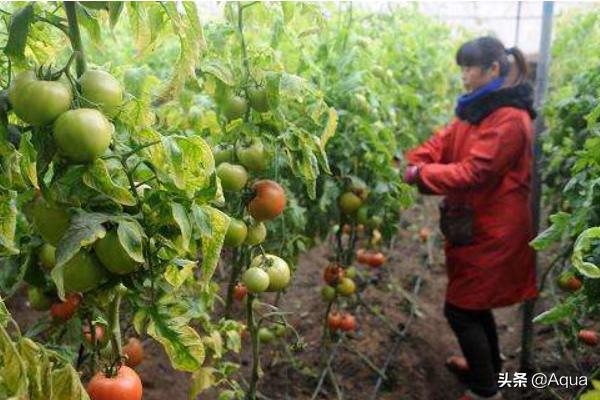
411, 174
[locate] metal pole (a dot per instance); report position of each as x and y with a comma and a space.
541, 84
518, 27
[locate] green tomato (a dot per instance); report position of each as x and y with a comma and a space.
349, 203
255, 279
47, 256
49, 221
233, 177
362, 215
236, 233
378, 72
328, 293
346, 287
222, 155
83, 272
235, 107
82, 135
375, 221
101, 90
277, 269
258, 98
38, 299
40, 102
257, 233
265, 335
279, 330
253, 157
16, 86
350, 272
113, 255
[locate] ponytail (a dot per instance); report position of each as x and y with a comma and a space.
520, 68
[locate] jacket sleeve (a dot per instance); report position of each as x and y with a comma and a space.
432, 150
496, 149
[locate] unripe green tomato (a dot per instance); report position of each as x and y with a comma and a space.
349, 203
49, 221
83, 272
276, 268
235, 107
38, 299
40, 102
255, 279
279, 330
113, 255
222, 155
346, 287
82, 135
379, 72
362, 215
253, 157
350, 272
375, 221
265, 335
257, 233
233, 177
47, 256
258, 98
101, 90
16, 86
328, 293
236, 233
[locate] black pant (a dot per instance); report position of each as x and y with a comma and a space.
478, 339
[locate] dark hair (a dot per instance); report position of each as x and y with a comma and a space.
484, 51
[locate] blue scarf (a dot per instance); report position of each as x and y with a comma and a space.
466, 99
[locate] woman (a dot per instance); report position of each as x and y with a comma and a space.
481, 163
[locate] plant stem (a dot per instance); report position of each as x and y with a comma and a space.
75, 36
251, 394
114, 324
235, 272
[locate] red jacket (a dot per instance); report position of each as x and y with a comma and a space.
488, 167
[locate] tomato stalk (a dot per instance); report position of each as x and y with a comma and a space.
252, 326
235, 272
75, 36
114, 326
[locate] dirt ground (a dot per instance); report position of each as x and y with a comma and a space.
416, 362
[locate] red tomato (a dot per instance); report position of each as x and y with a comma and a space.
348, 323
268, 202
334, 319
134, 350
66, 309
240, 291
87, 333
376, 259
126, 385
362, 256
424, 234
588, 337
332, 274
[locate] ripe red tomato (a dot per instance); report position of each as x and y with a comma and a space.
424, 234
66, 309
376, 259
588, 337
126, 385
87, 333
134, 351
239, 291
268, 202
362, 256
334, 320
332, 274
348, 323
569, 282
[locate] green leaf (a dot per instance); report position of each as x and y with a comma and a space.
131, 236
13, 373
28, 159
66, 384
181, 218
39, 369
201, 220
115, 8
213, 243
18, 31
582, 246
84, 229
557, 313
181, 342
176, 276
560, 222
219, 70
330, 128
8, 222
98, 178
202, 379
89, 23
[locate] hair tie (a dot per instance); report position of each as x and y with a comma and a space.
510, 50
